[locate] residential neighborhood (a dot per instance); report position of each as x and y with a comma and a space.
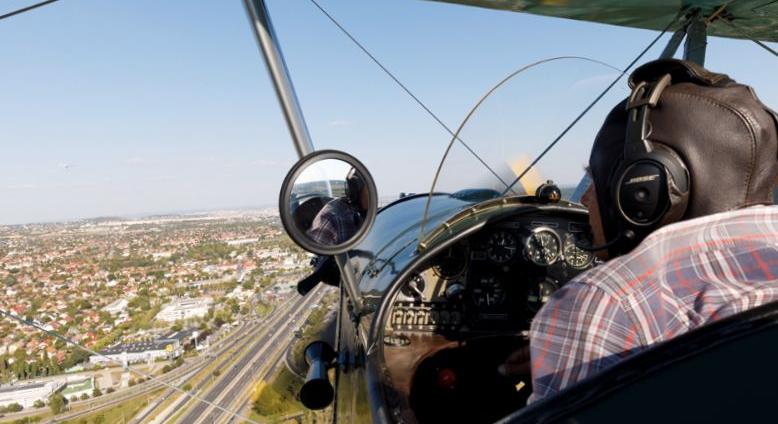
135, 291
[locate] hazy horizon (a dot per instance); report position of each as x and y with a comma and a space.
112, 109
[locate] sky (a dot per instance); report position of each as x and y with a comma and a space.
117, 108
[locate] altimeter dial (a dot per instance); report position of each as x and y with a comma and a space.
543, 246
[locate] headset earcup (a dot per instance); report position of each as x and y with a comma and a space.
678, 182
653, 189
641, 194
674, 164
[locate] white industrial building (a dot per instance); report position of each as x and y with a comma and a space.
181, 309
26, 394
138, 352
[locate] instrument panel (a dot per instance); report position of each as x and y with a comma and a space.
495, 280
459, 315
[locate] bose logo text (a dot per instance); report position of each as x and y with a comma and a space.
643, 179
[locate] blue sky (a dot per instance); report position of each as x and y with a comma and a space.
125, 108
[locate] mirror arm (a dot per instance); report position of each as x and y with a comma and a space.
350, 282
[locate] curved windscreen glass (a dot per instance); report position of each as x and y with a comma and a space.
517, 119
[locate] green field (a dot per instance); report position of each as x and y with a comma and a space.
120, 413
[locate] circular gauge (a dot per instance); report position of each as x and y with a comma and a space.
574, 255
540, 293
543, 246
488, 292
414, 287
501, 247
451, 263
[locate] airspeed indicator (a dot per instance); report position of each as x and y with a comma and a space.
501, 247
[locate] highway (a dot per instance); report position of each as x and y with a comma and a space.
239, 339
177, 377
244, 402
237, 381
258, 347
261, 366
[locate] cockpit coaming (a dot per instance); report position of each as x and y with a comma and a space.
452, 316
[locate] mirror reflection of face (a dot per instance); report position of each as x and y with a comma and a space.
329, 202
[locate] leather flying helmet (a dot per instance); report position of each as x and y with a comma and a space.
687, 143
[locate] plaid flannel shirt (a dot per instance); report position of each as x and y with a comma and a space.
679, 278
335, 223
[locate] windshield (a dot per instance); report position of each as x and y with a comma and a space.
516, 120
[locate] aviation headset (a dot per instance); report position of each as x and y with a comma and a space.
651, 186
354, 186
686, 143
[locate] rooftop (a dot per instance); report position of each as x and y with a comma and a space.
136, 347
17, 387
78, 386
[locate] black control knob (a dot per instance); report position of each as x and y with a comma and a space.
548, 192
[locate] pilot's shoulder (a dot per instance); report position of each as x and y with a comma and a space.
608, 278
671, 243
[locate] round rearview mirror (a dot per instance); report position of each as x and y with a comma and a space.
328, 202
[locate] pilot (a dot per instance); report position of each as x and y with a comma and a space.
342, 217
681, 208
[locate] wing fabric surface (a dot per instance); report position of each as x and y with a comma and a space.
757, 18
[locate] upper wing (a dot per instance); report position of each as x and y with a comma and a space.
756, 18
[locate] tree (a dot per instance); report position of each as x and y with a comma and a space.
39, 404
84, 396
96, 392
14, 407
218, 321
10, 280
57, 403
110, 390
74, 358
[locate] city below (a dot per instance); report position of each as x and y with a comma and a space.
188, 318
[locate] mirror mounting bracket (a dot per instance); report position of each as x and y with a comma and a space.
350, 284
